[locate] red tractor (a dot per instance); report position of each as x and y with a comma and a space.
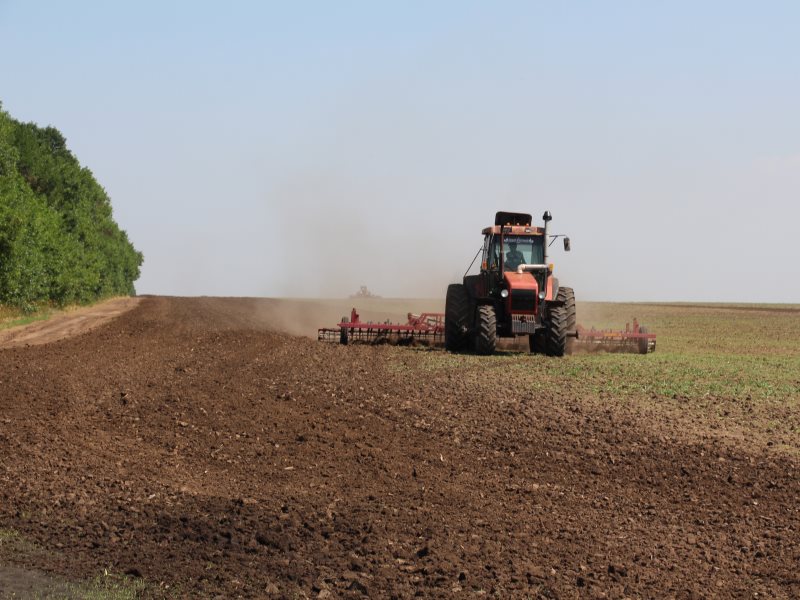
514, 294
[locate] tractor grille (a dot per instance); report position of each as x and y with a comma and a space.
523, 324
523, 300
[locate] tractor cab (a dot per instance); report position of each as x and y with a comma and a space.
512, 244
507, 252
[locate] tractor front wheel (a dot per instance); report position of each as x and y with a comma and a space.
485, 330
457, 318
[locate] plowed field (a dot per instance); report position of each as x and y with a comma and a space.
189, 444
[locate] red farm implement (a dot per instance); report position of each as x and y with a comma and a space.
428, 329
424, 329
515, 295
632, 339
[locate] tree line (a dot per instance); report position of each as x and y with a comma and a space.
59, 243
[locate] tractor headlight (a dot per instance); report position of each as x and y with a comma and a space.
504, 293
541, 296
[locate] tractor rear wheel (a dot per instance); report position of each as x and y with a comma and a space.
457, 318
485, 330
562, 321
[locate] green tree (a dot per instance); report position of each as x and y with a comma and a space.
58, 238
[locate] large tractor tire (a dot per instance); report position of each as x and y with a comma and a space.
457, 318
485, 330
562, 320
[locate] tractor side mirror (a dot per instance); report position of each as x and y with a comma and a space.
566, 244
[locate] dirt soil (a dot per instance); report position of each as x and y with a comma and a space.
66, 324
186, 443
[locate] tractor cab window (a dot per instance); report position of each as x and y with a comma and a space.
491, 252
522, 250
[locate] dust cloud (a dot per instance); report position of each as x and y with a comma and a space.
304, 316
335, 237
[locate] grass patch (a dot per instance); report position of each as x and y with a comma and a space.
730, 370
13, 317
16, 322
109, 586
15, 549
12, 544
668, 375
8, 536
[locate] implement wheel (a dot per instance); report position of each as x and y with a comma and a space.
643, 342
485, 330
562, 321
457, 318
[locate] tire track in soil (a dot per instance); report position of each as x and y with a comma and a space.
183, 444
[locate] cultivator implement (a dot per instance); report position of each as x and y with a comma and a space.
428, 329
425, 329
633, 339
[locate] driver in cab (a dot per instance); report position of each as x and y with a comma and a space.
514, 258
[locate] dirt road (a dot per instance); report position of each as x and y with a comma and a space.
185, 443
66, 324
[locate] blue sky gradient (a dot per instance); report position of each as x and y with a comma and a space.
275, 149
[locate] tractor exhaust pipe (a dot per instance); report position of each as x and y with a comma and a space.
546, 217
531, 268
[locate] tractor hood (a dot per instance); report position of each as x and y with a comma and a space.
523, 291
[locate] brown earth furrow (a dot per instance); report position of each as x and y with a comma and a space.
186, 443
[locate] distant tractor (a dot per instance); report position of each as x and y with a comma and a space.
514, 294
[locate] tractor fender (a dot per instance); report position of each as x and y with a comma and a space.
555, 301
484, 301
475, 286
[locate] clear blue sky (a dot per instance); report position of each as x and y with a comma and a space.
306, 148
